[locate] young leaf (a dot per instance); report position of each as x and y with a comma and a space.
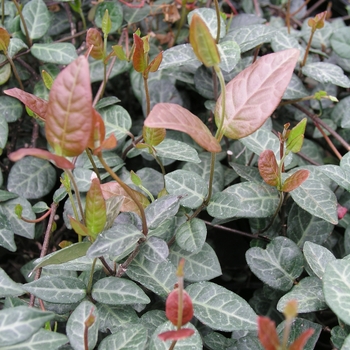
78, 227
268, 168
36, 104
94, 38
296, 137
175, 117
254, 94
47, 79
106, 24
95, 209
204, 45
153, 136
59, 161
295, 180
155, 63
119, 52
176, 335
139, 59
267, 333
4, 40
69, 117
300, 342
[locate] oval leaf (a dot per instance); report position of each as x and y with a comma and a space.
268, 168
254, 94
295, 180
69, 118
175, 117
94, 38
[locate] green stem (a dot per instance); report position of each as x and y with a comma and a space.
129, 191
29, 40
81, 14
89, 286
307, 48
88, 152
148, 100
182, 19
2, 12
218, 19
14, 70
219, 133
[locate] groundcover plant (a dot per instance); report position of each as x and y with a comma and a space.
133, 134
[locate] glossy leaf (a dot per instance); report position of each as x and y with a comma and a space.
118, 291
220, 308
4, 39
155, 249
95, 209
246, 94
296, 137
94, 38
139, 58
175, 117
153, 136
268, 168
37, 18
295, 180
277, 265
69, 125
19, 323
204, 45
191, 235
31, 177
59, 53
267, 333
76, 326
9, 288
57, 289
36, 104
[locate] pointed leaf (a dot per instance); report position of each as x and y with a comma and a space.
176, 335
340, 41
175, 117
4, 40
295, 180
118, 291
256, 92
59, 161
296, 137
69, 119
9, 288
94, 38
19, 323
36, 104
55, 289
267, 333
139, 60
155, 249
78, 227
155, 63
268, 168
278, 265
58, 53
300, 342
204, 45
191, 235
153, 136
220, 308
95, 208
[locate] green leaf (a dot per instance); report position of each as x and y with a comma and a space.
117, 121
160, 278
57, 289
278, 265
139, 58
161, 209
220, 308
19, 323
31, 178
193, 342
178, 150
7, 239
9, 288
190, 186
11, 108
295, 89
96, 69
245, 199
326, 73
153, 319
5, 71
317, 257
209, 17
338, 174
200, 266
248, 37
69, 253
19, 226
283, 41
296, 137
309, 295
106, 24
338, 335
271, 75
75, 326
321, 38
180, 55
155, 249
317, 199
59, 53
115, 242
131, 339
230, 54
217, 341
4, 130
116, 318
340, 41
340, 113
118, 291
336, 288
37, 18
135, 15
303, 226
115, 12
191, 235
40, 340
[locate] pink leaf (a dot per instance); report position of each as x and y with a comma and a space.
299, 343
253, 95
172, 306
174, 117
267, 333
341, 211
176, 335
295, 180
69, 117
59, 161
36, 104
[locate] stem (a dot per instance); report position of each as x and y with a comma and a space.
280, 203
88, 152
288, 15
148, 101
38, 219
45, 247
217, 10
219, 133
330, 143
18, 8
86, 337
307, 48
89, 286
129, 191
81, 14
14, 70
106, 266
123, 267
2, 12
182, 19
